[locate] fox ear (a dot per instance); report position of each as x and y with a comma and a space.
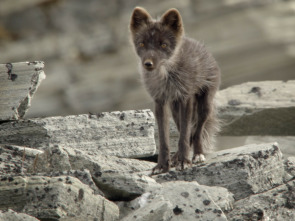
139, 17
172, 19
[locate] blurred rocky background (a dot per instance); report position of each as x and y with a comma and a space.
90, 64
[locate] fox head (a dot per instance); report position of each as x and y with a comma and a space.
155, 40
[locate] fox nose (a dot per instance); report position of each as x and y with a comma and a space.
148, 64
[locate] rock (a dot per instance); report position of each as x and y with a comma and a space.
177, 200
124, 186
286, 142
158, 209
264, 108
275, 204
18, 83
16, 159
83, 175
124, 134
53, 159
221, 196
98, 164
243, 171
61, 198
290, 168
11, 215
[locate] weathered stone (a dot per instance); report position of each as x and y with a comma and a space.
53, 159
286, 143
290, 168
98, 164
83, 175
56, 198
221, 196
258, 108
16, 159
177, 200
11, 215
243, 171
124, 186
18, 83
158, 209
275, 204
123, 134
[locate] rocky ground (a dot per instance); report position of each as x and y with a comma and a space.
97, 166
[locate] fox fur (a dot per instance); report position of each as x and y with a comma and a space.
180, 75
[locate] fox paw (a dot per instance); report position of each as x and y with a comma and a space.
161, 168
198, 158
180, 161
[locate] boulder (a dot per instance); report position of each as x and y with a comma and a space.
275, 204
55, 198
10, 215
124, 134
177, 200
258, 108
18, 83
243, 171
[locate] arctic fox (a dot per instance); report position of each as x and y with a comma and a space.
178, 72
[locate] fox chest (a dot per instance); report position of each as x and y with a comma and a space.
162, 87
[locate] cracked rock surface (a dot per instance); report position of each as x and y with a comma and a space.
18, 83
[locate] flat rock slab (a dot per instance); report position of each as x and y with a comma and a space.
18, 83
243, 171
125, 134
258, 108
55, 198
275, 204
10, 215
177, 200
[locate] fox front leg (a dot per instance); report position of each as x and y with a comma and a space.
181, 157
162, 117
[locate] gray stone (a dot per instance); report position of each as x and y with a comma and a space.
158, 208
286, 143
124, 134
83, 175
243, 171
290, 168
61, 198
11, 215
98, 164
124, 186
16, 159
53, 159
258, 108
177, 200
18, 83
275, 204
221, 196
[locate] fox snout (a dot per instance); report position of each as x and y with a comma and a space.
148, 64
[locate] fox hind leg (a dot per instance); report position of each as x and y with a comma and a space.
206, 125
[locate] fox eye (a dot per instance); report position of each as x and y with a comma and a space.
163, 45
141, 44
